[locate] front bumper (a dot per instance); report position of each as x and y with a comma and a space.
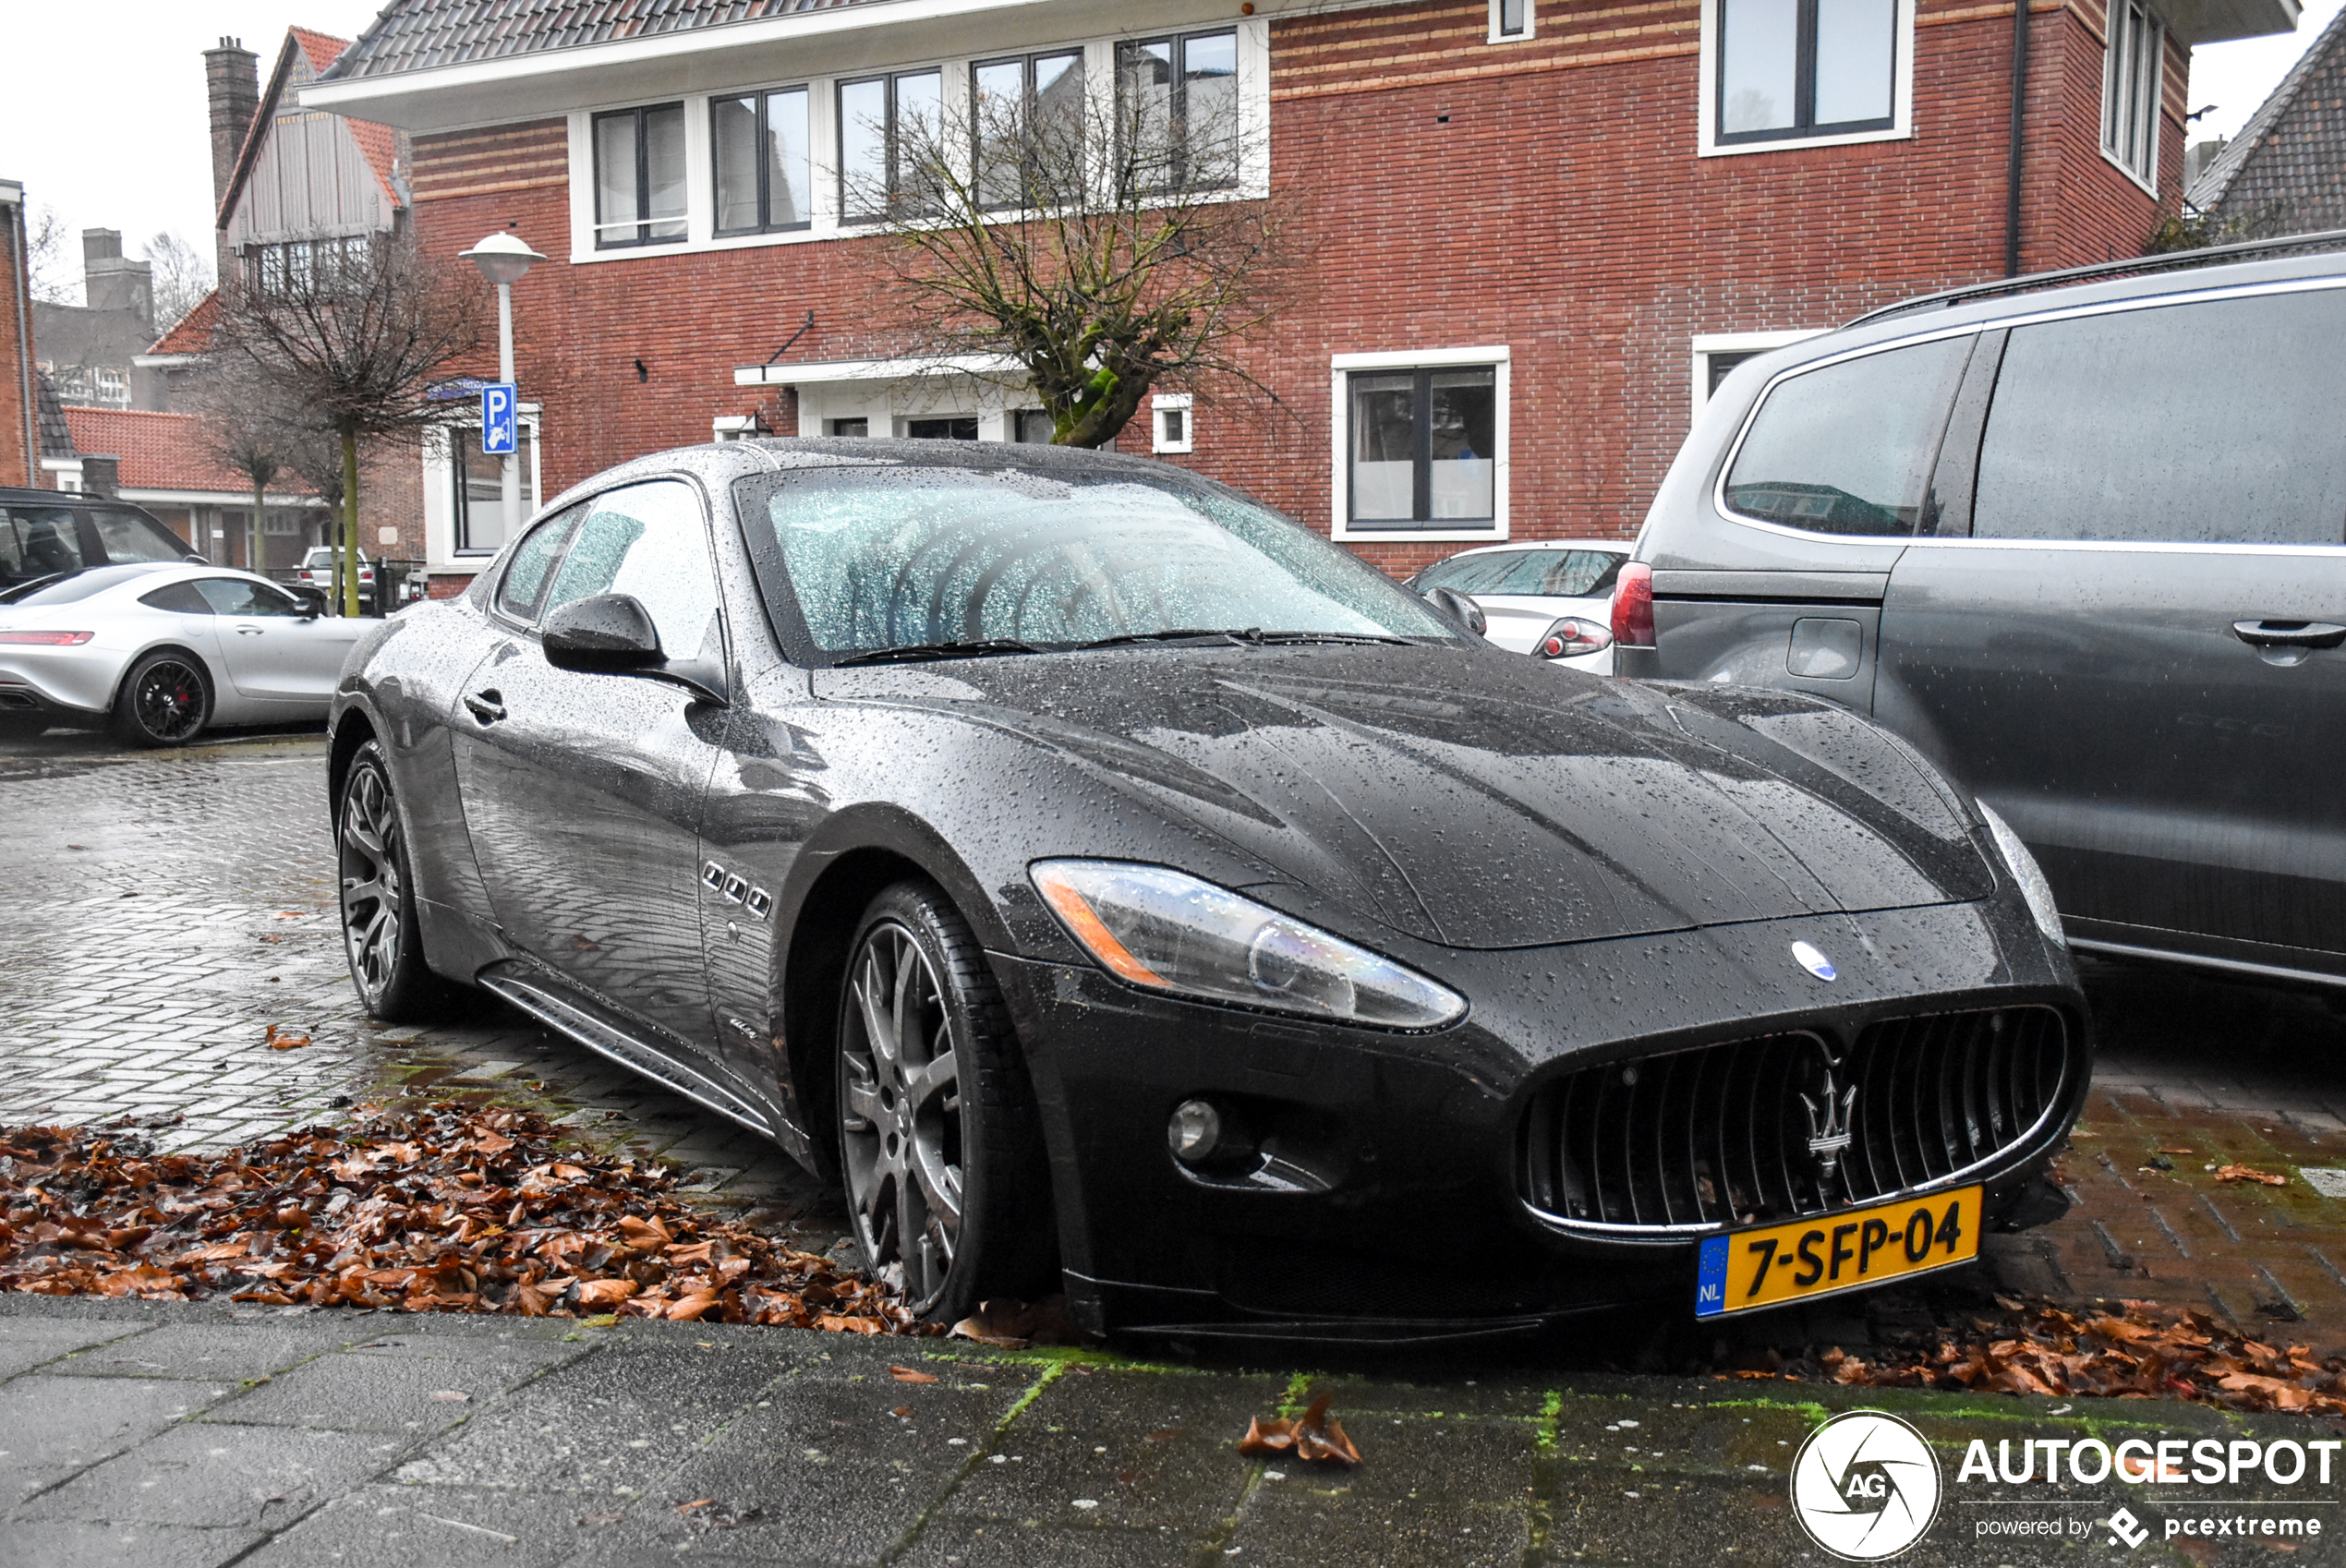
1387, 1203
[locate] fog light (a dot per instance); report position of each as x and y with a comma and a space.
1195, 1132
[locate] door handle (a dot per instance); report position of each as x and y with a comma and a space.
2289, 634
488, 706
248, 631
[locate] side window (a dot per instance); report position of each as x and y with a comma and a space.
648, 541
39, 541
2184, 423
179, 599
519, 590
239, 596
129, 536
1849, 449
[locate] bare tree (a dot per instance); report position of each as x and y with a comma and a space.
1103, 245
252, 427
182, 277
358, 343
56, 275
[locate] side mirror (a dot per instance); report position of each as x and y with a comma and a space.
1459, 608
312, 599
605, 633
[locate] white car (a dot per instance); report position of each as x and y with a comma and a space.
162, 651
1552, 598
317, 568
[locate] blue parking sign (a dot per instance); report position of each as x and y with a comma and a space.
497, 406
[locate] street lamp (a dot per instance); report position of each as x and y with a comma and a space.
503, 259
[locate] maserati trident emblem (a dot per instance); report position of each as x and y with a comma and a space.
1828, 1120
1813, 961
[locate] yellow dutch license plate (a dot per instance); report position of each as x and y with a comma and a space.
1773, 1264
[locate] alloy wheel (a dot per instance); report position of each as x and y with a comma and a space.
900, 1114
369, 851
169, 699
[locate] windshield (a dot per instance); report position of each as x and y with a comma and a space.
895, 558
1549, 573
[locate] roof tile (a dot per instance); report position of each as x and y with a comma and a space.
416, 35
164, 451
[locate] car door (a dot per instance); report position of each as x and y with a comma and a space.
583, 792
2135, 654
276, 650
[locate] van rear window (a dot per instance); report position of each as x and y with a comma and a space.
1848, 448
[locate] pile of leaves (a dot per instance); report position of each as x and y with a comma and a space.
2125, 1350
455, 1209
1315, 1435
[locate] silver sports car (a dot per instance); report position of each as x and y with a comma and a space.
161, 651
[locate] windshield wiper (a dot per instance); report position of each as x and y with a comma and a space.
1253, 636
916, 653
1326, 638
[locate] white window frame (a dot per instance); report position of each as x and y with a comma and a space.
1340, 370
2121, 20
700, 156
1708, 344
736, 428
440, 478
1902, 96
1531, 24
1162, 404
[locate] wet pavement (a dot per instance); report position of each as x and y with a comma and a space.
162, 910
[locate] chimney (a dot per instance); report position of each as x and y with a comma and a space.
111, 280
101, 476
232, 83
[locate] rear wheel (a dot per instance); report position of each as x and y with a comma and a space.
378, 931
940, 1142
164, 701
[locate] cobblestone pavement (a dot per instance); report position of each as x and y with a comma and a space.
160, 910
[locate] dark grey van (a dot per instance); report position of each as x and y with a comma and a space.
2085, 545
47, 533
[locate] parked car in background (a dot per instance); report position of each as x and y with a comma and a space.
47, 533
162, 652
2081, 539
1552, 598
1125, 891
317, 568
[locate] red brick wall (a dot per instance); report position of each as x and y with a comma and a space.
16, 466
1560, 210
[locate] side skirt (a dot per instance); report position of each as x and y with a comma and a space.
580, 1020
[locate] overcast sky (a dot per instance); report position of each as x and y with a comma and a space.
104, 120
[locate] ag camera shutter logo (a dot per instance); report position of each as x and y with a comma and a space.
1865, 1486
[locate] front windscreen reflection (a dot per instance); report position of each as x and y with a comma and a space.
910, 558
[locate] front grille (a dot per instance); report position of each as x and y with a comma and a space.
1790, 1124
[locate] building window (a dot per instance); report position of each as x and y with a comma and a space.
478, 499
954, 427
1026, 123
765, 182
1787, 69
1422, 448
884, 122
1034, 427
2130, 80
1171, 430
1178, 111
851, 427
639, 176
1716, 355
1510, 20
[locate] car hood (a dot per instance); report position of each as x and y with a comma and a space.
1477, 799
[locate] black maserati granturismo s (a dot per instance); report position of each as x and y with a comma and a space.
1121, 889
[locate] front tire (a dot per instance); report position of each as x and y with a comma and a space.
164, 701
946, 1185
379, 935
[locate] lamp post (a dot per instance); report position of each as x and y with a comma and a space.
503, 259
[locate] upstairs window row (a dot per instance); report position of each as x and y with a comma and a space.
1014, 127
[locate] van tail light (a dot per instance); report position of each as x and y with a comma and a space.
48, 639
1633, 606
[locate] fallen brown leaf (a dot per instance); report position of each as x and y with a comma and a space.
279, 1040
907, 1375
2250, 1173
2164, 1150
697, 1503
1312, 1435
902, 1412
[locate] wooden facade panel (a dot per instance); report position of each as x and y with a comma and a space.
308, 179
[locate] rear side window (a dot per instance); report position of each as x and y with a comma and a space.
1849, 449
2212, 422
241, 596
1550, 574
180, 598
39, 541
131, 535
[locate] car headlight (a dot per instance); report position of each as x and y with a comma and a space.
2028, 872
1165, 931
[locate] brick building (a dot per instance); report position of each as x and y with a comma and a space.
20, 393
1539, 228
164, 463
